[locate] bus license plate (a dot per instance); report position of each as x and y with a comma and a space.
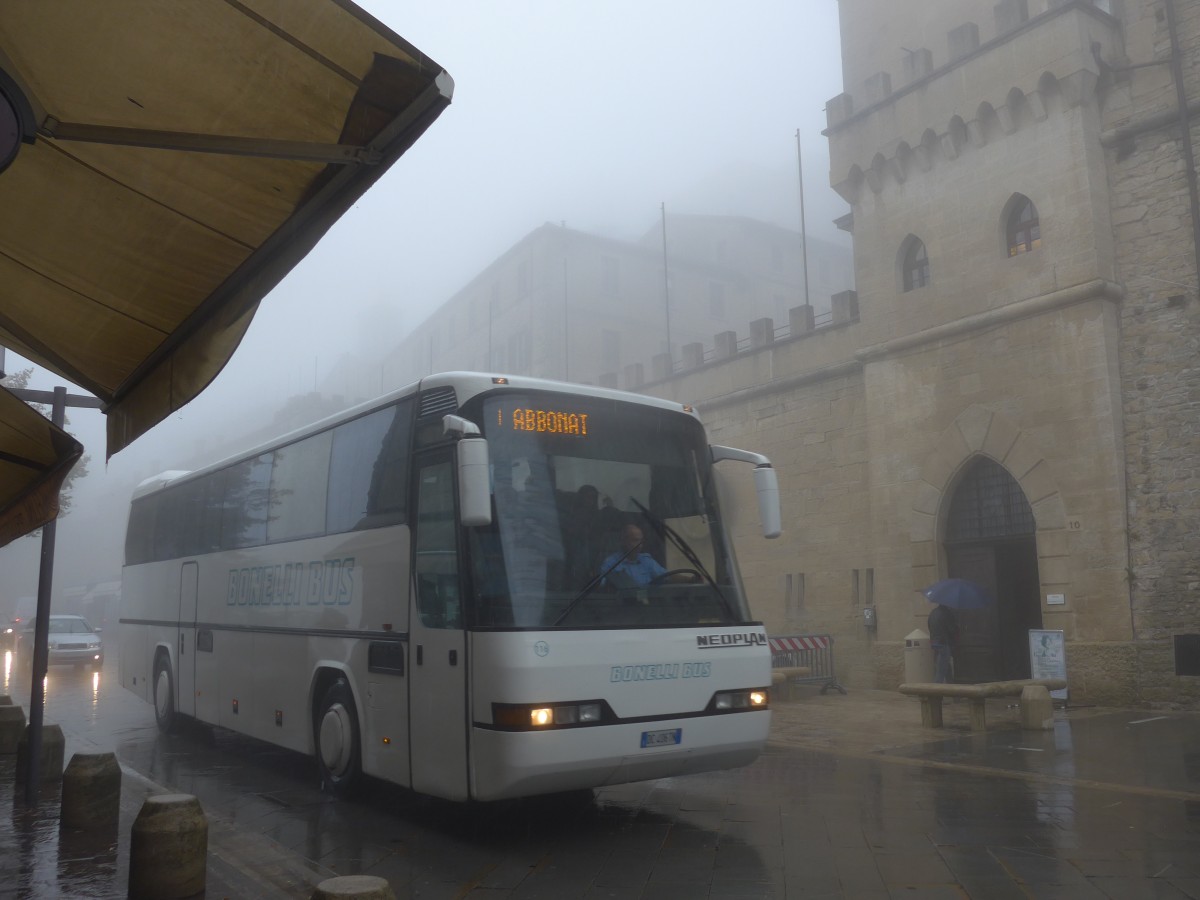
662, 738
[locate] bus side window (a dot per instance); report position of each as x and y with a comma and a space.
438, 601
436, 564
368, 473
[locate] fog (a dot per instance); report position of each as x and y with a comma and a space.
590, 115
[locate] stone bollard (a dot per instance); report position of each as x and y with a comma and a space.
91, 791
12, 726
1037, 709
168, 849
358, 887
50, 764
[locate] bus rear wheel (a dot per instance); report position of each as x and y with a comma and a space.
337, 740
164, 695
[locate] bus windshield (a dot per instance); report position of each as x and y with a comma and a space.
605, 516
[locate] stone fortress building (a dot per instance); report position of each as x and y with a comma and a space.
1016, 396
566, 304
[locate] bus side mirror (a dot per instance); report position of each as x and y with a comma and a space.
766, 483
474, 482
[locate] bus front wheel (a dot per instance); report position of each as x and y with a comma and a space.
164, 695
337, 739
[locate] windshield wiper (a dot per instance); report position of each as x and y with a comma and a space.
591, 586
665, 530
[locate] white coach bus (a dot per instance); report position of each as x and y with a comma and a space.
431, 589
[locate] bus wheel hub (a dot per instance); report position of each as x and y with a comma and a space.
335, 739
162, 692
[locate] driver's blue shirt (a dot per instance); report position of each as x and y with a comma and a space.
641, 569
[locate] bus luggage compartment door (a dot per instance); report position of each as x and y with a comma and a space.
438, 680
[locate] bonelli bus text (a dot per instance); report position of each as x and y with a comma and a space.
478, 587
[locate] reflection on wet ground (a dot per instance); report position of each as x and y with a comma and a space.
1133, 749
1102, 806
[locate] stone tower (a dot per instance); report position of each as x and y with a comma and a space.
1017, 399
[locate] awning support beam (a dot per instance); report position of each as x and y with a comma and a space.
296, 151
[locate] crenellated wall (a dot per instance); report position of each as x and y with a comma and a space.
945, 102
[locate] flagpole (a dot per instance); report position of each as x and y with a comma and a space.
803, 231
666, 282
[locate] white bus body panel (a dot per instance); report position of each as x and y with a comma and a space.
275, 615
660, 676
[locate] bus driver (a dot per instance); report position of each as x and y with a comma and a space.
631, 565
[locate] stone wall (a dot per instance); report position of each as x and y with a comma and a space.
1159, 347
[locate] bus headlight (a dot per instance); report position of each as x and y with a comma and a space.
730, 701
535, 717
577, 713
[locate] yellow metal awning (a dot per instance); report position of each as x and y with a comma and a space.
181, 158
35, 457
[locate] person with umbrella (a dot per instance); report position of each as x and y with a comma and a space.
943, 634
950, 594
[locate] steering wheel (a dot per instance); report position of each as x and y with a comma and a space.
696, 577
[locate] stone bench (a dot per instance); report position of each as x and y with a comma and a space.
932, 694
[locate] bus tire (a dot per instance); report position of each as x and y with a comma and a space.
336, 739
164, 695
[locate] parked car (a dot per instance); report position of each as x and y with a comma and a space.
9, 634
72, 641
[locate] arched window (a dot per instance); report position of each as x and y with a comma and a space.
1021, 230
915, 265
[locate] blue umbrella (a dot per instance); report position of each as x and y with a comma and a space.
958, 593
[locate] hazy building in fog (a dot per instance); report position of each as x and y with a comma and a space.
570, 305
1016, 398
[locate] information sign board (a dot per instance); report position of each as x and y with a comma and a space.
1048, 657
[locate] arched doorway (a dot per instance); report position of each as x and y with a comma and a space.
990, 538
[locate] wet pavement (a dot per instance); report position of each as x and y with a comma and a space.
852, 799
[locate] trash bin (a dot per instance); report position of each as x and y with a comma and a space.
918, 657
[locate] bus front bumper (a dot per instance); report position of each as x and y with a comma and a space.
510, 764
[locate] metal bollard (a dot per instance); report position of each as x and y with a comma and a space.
168, 849
91, 791
12, 726
358, 887
50, 761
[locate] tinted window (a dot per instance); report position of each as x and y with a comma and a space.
352, 477
298, 483
212, 502
177, 529
244, 503
368, 475
436, 562
139, 538
191, 512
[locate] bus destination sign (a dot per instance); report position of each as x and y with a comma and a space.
550, 421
